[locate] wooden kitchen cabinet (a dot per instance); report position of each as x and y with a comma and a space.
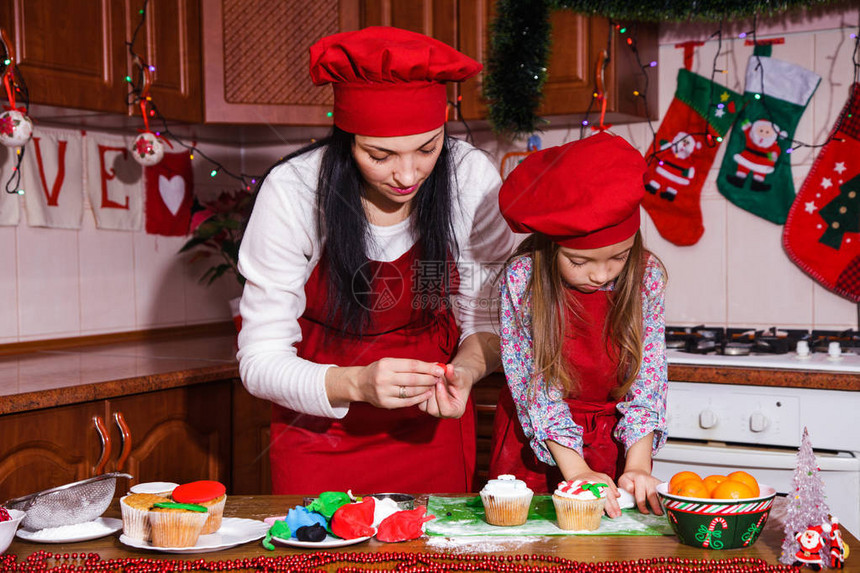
252, 416
578, 45
47, 448
256, 59
73, 53
180, 435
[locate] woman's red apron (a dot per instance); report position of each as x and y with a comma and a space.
373, 449
593, 409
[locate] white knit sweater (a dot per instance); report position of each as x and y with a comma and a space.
280, 249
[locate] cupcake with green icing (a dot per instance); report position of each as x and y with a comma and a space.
176, 524
210, 494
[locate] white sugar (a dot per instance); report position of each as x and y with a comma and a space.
479, 544
72, 531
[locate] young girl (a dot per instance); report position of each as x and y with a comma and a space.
582, 328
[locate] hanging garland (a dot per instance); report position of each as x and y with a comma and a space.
520, 44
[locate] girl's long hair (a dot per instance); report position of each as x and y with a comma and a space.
549, 300
341, 220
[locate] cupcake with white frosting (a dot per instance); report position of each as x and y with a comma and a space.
579, 504
506, 501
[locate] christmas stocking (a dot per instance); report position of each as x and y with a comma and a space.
169, 185
756, 171
683, 152
822, 233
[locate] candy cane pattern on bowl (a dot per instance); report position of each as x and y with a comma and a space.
717, 524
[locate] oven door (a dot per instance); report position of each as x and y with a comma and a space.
840, 471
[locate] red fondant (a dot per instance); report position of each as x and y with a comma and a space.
403, 525
198, 491
354, 519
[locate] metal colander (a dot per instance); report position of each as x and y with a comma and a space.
68, 504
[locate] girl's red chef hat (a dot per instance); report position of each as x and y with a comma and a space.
582, 195
387, 81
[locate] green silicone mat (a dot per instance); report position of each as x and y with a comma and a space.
464, 516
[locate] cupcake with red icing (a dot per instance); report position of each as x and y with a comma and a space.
579, 504
210, 494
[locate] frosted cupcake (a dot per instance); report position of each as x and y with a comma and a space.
506, 501
579, 504
176, 524
135, 514
210, 494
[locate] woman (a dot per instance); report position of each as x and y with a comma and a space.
366, 313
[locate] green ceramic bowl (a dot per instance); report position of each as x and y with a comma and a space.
717, 523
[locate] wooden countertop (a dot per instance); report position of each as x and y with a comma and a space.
99, 369
35, 376
584, 548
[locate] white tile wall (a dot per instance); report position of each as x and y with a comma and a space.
59, 283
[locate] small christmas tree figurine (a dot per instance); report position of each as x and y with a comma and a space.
807, 509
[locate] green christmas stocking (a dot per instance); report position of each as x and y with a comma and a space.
756, 170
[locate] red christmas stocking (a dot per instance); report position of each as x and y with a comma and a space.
822, 232
169, 185
682, 153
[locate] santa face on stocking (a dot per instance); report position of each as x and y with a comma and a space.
759, 155
675, 171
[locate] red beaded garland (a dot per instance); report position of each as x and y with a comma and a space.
43, 562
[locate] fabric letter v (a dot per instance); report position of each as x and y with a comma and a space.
52, 196
56, 168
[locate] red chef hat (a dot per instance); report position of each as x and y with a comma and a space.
582, 195
387, 81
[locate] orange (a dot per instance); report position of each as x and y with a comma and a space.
731, 489
681, 476
713, 481
746, 478
693, 487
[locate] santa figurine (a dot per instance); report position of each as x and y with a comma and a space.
837, 545
677, 171
759, 155
811, 543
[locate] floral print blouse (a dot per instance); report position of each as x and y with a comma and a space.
542, 411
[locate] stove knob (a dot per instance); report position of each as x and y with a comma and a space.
758, 422
707, 419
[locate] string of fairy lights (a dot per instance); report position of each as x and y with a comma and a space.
711, 139
139, 83
15, 124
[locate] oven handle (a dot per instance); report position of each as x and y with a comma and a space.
740, 457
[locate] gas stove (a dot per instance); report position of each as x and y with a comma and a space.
827, 350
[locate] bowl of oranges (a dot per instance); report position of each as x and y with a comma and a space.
717, 511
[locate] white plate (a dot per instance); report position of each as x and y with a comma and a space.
234, 531
67, 534
326, 543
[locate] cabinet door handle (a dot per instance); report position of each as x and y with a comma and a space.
106, 444
126, 439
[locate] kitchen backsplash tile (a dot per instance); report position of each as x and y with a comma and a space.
8, 286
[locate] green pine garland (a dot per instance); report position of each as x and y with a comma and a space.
520, 44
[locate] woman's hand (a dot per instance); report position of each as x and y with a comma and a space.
643, 486
451, 393
387, 383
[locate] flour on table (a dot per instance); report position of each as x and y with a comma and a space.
72, 531
479, 544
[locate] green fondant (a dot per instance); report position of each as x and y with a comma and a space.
185, 506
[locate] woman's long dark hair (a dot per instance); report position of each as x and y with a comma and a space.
343, 223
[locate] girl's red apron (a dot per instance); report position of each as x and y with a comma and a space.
373, 449
593, 409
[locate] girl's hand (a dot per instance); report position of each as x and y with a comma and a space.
396, 382
643, 486
451, 393
611, 508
